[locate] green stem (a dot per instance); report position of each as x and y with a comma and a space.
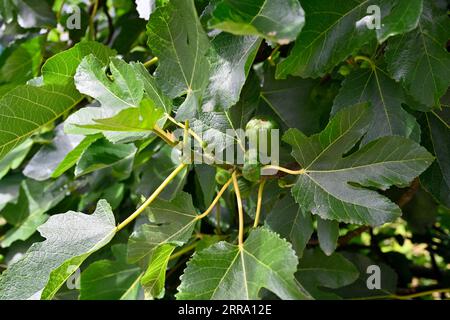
183, 251
240, 210
363, 58
92, 35
218, 229
152, 197
274, 52
259, 203
285, 170
216, 200
151, 62
59, 13
407, 297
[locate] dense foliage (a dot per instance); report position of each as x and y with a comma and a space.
105, 104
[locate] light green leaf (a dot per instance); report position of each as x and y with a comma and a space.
107, 279
154, 279
61, 68
334, 186
291, 223
278, 21
317, 271
228, 272
121, 90
143, 118
151, 89
419, 59
70, 239
170, 222
27, 109
386, 98
129, 87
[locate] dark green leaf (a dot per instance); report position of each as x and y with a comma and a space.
278, 21
335, 187
386, 98
317, 271
116, 279
231, 58
419, 59
437, 136
287, 219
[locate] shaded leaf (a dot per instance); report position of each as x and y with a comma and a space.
436, 179
74, 155
358, 289
47, 159
103, 154
419, 59
304, 104
21, 62
328, 234
290, 222
170, 222
28, 213
316, 271
386, 98
15, 158
114, 278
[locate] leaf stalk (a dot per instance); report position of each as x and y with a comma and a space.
152, 197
